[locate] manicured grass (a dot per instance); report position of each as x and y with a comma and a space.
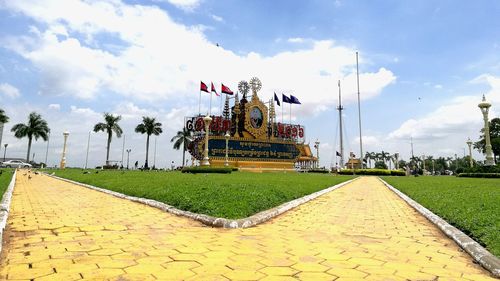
5, 178
235, 195
470, 204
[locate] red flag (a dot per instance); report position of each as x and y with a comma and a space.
213, 89
226, 90
203, 87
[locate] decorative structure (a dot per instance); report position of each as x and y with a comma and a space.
227, 136
207, 121
247, 136
128, 156
469, 143
316, 145
63, 158
485, 107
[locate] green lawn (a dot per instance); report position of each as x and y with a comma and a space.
235, 195
5, 178
470, 204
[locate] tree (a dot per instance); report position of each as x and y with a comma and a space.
110, 126
3, 119
183, 137
380, 165
149, 126
494, 137
37, 127
368, 158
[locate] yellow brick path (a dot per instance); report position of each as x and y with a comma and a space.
60, 231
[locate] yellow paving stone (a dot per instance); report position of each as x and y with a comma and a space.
360, 231
60, 276
278, 271
317, 276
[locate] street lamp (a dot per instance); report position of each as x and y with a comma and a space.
469, 143
316, 145
5, 151
63, 158
227, 136
485, 106
207, 121
128, 156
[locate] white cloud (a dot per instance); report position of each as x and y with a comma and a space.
296, 40
9, 91
188, 5
446, 129
438, 86
55, 106
151, 66
217, 18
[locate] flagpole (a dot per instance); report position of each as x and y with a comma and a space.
210, 107
340, 126
220, 104
199, 103
290, 113
359, 116
282, 113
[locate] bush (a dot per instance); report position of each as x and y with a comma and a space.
479, 175
319, 171
483, 169
207, 170
373, 172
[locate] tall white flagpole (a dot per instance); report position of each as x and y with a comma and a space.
199, 102
359, 116
210, 107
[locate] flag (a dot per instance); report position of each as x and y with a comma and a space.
286, 99
226, 90
294, 100
338, 154
276, 99
213, 89
203, 87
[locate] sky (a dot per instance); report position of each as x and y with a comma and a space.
424, 66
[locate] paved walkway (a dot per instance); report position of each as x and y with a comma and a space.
60, 231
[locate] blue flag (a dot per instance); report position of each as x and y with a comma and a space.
294, 100
276, 99
286, 99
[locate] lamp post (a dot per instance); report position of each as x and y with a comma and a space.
433, 170
316, 145
485, 106
227, 136
469, 143
63, 158
5, 151
128, 156
205, 161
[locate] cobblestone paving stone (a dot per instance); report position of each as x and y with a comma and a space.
362, 231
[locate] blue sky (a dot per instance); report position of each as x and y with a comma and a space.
424, 66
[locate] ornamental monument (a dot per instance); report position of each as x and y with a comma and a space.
248, 133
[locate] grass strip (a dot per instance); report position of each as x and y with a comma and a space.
233, 196
470, 204
5, 178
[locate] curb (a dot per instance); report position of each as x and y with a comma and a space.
486, 259
213, 221
5, 206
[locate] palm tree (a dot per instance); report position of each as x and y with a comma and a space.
36, 127
149, 126
183, 137
3, 119
110, 126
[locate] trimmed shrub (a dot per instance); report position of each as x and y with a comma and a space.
319, 171
372, 172
479, 175
483, 169
207, 170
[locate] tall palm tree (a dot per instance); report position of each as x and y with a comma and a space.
110, 126
183, 137
3, 119
149, 126
37, 127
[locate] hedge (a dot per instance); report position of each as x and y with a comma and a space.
479, 175
207, 170
320, 171
373, 172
